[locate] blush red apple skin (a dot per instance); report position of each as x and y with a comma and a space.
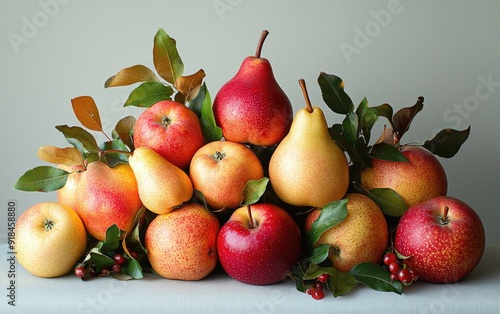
252, 107
418, 180
221, 169
441, 253
171, 129
262, 255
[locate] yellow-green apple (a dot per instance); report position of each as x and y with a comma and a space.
102, 196
171, 129
443, 239
182, 244
417, 180
362, 236
259, 249
221, 169
50, 239
251, 107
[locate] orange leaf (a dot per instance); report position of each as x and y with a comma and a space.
68, 156
134, 74
190, 85
124, 129
86, 112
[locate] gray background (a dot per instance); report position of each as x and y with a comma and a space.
52, 51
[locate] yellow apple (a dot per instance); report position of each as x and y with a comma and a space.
221, 169
182, 244
50, 239
362, 236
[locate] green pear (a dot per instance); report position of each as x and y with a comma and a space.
308, 168
162, 185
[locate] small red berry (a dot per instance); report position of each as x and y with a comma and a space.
394, 277
389, 258
393, 267
80, 271
134, 255
404, 276
318, 285
119, 259
310, 290
117, 268
318, 294
323, 278
105, 271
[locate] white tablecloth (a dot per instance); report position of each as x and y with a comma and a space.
478, 293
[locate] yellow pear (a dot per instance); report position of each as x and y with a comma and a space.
162, 185
308, 168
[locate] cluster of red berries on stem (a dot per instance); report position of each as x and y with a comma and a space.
316, 290
92, 271
398, 269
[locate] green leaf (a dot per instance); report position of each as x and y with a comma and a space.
447, 142
42, 179
336, 135
367, 119
339, 282
166, 58
133, 269
115, 158
389, 201
403, 117
112, 241
253, 191
319, 254
384, 110
332, 90
149, 93
100, 260
202, 106
331, 215
386, 151
376, 277
81, 139
350, 129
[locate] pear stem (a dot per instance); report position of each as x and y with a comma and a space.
302, 84
261, 43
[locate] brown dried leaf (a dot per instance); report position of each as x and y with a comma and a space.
68, 156
124, 129
134, 74
87, 113
387, 136
190, 85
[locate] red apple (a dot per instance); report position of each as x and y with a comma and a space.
221, 169
262, 249
443, 239
171, 129
417, 180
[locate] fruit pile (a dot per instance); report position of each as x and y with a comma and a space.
242, 183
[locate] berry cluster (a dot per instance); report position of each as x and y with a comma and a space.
399, 269
316, 290
119, 261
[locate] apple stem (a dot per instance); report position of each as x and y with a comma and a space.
302, 84
261, 43
252, 224
444, 218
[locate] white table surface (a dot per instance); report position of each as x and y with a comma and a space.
478, 293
